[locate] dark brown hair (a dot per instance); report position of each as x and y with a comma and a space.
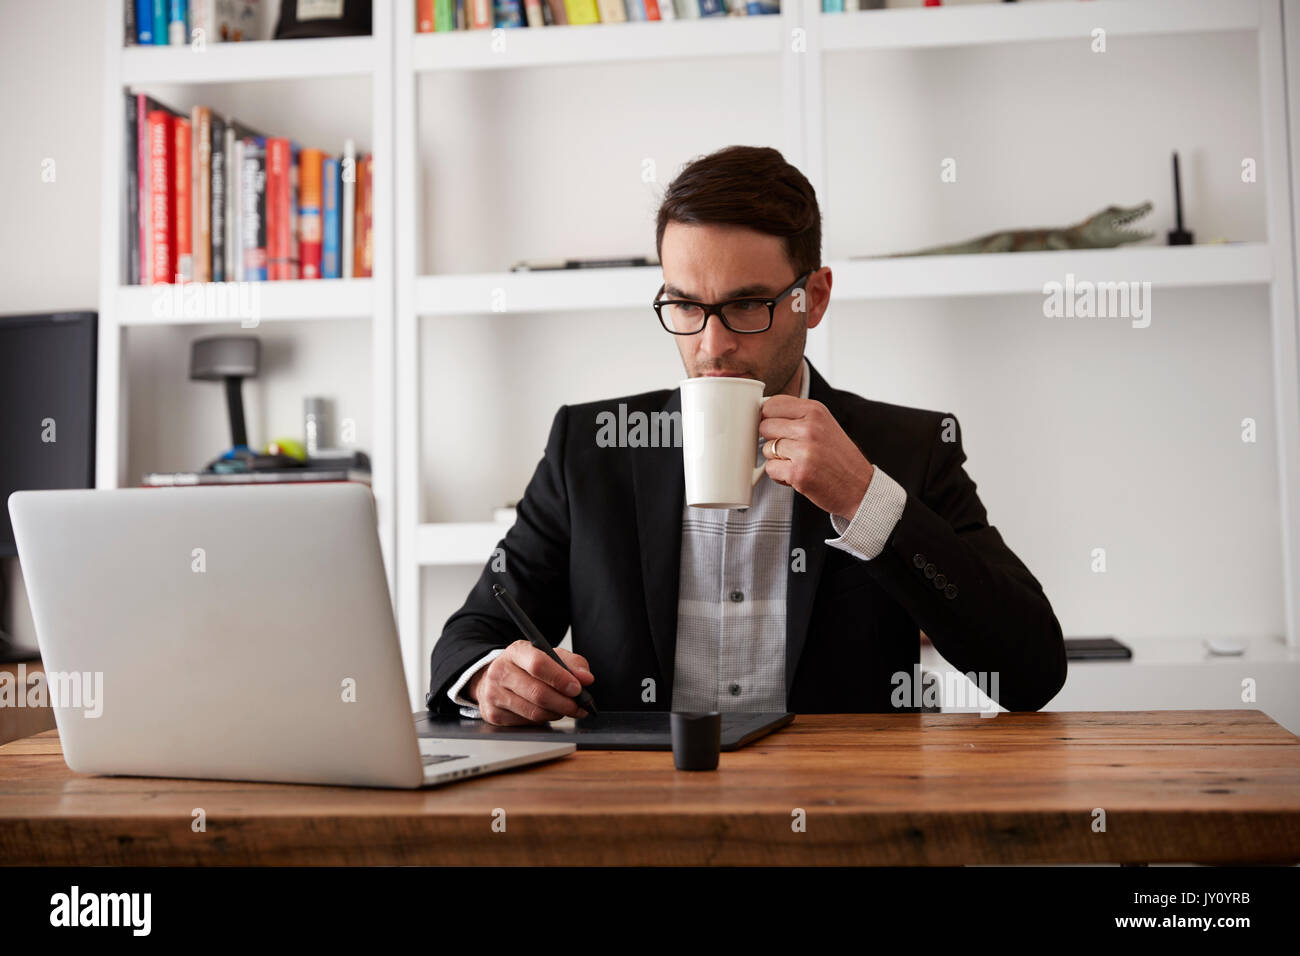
751, 186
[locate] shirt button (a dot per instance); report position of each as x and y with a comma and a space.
918, 560
930, 570
735, 690
950, 591
940, 581
737, 597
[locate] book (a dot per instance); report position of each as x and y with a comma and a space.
252, 208
666, 9
217, 197
178, 33
480, 14
277, 208
310, 165
712, 8
364, 219
201, 191
611, 11
143, 22
348, 172
173, 479
635, 10
203, 20
580, 12
330, 197
182, 205
131, 200
235, 205
444, 15
162, 248
295, 263
159, 19
508, 13
424, 17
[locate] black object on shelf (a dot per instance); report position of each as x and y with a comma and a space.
297, 24
1178, 236
1096, 649
229, 359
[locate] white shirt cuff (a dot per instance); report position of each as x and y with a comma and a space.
467, 707
865, 535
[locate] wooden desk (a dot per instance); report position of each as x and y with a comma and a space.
1176, 786
19, 722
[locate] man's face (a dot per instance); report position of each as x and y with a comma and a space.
712, 263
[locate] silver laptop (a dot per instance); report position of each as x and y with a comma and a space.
231, 633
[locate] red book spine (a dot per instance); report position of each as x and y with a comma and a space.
161, 245
652, 9
277, 208
181, 203
144, 211
424, 16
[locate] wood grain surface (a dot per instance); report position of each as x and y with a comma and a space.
892, 789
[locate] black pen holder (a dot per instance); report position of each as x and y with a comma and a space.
697, 739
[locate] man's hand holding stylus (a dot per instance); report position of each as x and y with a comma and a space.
524, 686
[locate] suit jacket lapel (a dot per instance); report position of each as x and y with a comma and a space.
809, 529
659, 486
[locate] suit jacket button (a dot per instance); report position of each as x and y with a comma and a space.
918, 560
940, 581
735, 690
929, 570
950, 591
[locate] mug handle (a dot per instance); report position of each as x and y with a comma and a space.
759, 470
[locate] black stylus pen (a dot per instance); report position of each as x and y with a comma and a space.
530, 631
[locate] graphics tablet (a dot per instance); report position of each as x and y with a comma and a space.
609, 730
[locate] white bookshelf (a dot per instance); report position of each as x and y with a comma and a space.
122, 306
796, 42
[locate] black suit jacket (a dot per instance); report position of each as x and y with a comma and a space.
597, 543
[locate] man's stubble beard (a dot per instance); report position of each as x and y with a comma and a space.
784, 365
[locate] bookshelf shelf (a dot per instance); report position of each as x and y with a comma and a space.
918, 27
197, 302
596, 43
858, 280
248, 62
452, 544
1025, 272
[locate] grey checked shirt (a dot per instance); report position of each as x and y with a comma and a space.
731, 611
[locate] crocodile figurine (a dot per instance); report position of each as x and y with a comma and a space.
1103, 230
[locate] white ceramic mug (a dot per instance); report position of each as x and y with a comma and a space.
720, 440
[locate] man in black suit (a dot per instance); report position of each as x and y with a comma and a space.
865, 528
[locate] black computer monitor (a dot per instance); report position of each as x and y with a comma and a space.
47, 406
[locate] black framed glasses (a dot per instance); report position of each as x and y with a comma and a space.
743, 316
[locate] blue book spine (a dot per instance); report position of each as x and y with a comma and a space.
832, 6
509, 13
178, 28
712, 8
329, 260
144, 22
758, 8
159, 22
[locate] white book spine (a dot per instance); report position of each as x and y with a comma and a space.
237, 216
232, 190
666, 10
